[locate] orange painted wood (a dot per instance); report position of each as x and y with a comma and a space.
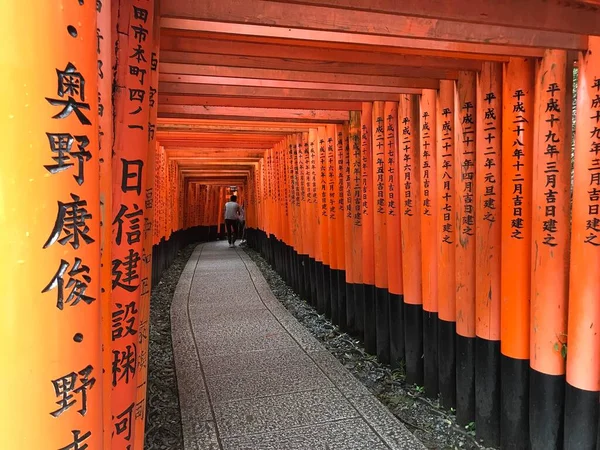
378, 203
366, 194
349, 200
551, 212
567, 17
356, 187
439, 67
331, 195
306, 184
270, 113
266, 92
313, 147
446, 202
393, 198
341, 135
304, 18
488, 175
517, 127
258, 102
410, 200
429, 200
465, 124
583, 365
50, 329
323, 196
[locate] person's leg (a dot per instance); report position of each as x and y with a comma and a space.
229, 227
234, 226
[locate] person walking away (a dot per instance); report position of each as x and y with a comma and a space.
242, 224
232, 212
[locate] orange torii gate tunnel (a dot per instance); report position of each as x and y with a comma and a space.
416, 170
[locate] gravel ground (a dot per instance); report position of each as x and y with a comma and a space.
163, 418
436, 428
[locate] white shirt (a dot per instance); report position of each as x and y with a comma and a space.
242, 214
231, 210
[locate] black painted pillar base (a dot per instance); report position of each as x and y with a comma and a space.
465, 380
370, 319
581, 418
312, 270
350, 309
327, 290
341, 287
514, 404
487, 391
306, 270
320, 296
359, 311
382, 324
447, 363
546, 410
413, 343
333, 294
397, 330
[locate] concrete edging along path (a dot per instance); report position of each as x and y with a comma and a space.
251, 377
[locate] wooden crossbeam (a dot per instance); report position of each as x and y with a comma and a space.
262, 113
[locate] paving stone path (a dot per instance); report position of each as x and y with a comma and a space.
250, 377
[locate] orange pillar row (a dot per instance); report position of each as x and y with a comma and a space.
349, 201
52, 279
304, 260
365, 298
312, 219
323, 297
488, 175
409, 209
583, 362
392, 205
550, 252
334, 243
446, 197
517, 150
465, 120
429, 241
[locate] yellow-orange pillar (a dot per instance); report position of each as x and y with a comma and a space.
465, 121
334, 268
357, 221
50, 328
517, 158
488, 176
429, 241
409, 208
341, 132
583, 361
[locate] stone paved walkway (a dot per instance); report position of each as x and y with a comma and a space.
250, 377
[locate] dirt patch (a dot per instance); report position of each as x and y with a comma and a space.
163, 417
435, 427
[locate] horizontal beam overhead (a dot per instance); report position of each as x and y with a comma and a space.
258, 102
262, 17
261, 113
172, 69
282, 49
230, 124
268, 92
553, 15
291, 64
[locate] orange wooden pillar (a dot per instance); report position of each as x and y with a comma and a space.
550, 236
334, 243
488, 175
304, 288
409, 209
517, 150
328, 242
301, 188
380, 244
349, 222
341, 132
446, 226
465, 158
314, 236
105, 142
357, 320
429, 238
583, 362
365, 298
51, 354
393, 210
323, 298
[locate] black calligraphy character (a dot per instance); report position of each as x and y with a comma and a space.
151, 100
137, 95
123, 320
489, 97
446, 112
66, 386
139, 33
124, 364
62, 144
78, 286
70, 220
519, 107
130, 265
99, 6
552, 88
138, 54
552, 105
596, 84
124, 423
78, 439
518, 94
136, 175
591, 239
151, 131
140, 14
153, 62
137, 72
596, 101
71, 84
